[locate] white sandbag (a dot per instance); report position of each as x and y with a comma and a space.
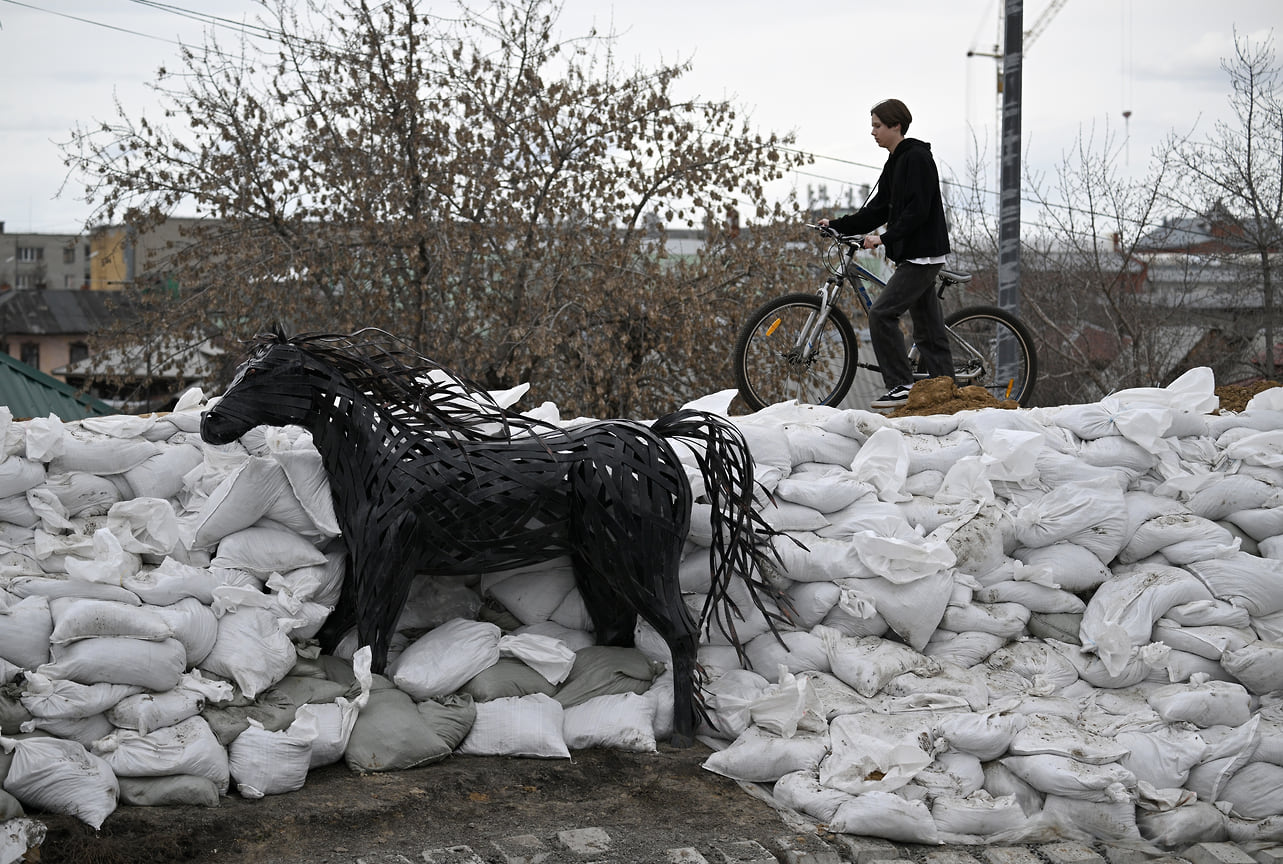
95, 454
1042, 664
729, 698
1054, 774
443, 660
788, 706
1255, 791
25, 627
872, 752
886, 815
1071, 567
1259, 523
264, 549
618, 721
252, 649
81, 619
803, 792
977, 815
17, 475
1032, 595
1121, 613
145, 712
517, 726
1209, 613
1053, 735
1210, 641
819, 559
883, 463
1162, 756
111, 563
114, 660
1162, 531
310, 484
808, 442
983, 734
868, 663
1102, 820
967, 649
270, 763
1068, 509
172, 580
61, 777
1229, 494
193, 624
161, 475
59, 698
1258, 665
758, 756
1249, 581
187, 747
534, 593
550, 657
825, 488
950, 775
1203, 703
82, 495
800, 652
1002, 619
941, 678
241, 498
1182, 827
1117, 452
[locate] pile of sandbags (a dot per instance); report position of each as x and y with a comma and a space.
1022, 625
1005, 625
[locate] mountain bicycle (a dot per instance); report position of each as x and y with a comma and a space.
802, 346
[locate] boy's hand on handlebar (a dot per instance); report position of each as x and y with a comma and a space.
871, 241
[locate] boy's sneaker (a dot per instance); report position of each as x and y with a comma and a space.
896, 396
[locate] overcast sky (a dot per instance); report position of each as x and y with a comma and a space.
810, 68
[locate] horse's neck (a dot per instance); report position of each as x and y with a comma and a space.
353, 434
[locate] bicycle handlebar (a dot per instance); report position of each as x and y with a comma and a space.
849, 239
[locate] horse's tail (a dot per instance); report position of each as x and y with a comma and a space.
740, 535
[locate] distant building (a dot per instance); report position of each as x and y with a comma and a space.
30, 262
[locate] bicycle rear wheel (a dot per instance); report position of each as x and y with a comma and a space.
998, 353
769, 366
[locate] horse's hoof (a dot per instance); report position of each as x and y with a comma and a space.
680, 740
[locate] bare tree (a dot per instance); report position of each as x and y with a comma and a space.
1231, 181
499, 196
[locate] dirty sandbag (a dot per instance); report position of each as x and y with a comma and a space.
61, 777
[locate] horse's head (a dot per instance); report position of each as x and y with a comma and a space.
275, 386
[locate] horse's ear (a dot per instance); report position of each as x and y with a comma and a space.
278, 331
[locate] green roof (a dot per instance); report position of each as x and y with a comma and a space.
28, 393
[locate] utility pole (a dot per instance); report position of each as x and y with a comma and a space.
1009, 181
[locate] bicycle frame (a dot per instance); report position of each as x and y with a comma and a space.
856, 274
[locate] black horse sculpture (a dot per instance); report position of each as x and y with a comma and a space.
430, 475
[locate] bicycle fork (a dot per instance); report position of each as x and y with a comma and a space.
803, 350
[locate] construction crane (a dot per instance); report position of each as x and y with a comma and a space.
1030, 35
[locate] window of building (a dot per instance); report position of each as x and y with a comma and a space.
31, 354
69, 254
25, 281
31, 253
77, 351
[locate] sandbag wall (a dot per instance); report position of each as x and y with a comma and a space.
1005, 625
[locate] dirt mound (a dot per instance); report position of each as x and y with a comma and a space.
1234, 397
944, 396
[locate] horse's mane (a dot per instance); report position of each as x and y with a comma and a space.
419, 393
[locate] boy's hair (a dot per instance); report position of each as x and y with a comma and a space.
893, 112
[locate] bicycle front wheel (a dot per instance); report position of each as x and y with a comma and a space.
771, 366
995, 350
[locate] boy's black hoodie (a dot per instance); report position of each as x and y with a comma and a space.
908, 202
